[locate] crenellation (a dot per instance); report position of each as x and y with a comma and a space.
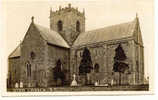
67, 10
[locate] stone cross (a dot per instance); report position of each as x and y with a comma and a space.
74, 82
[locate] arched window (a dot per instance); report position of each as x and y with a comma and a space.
28, 68
59, 65
96, 68
32, 55
60, 25
58, 72
78, 26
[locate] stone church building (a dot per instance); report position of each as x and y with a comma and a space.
34, 62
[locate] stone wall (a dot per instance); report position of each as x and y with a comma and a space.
54, 53
103, 54
84, 88
13, 71
98, 55
139, 57
33, 45
127, 47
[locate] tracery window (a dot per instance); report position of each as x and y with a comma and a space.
28, 68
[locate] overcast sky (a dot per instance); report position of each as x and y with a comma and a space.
16, 18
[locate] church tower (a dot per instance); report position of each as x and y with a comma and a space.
68, 22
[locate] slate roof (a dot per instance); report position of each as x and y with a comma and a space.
113, 32
16, 52
51, 36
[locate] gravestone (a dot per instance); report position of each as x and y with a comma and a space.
96, 83
16, 85
21, 84
74, 82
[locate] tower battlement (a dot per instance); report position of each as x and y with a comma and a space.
69, 22
67, 9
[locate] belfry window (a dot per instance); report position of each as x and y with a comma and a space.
60, 25
78, 26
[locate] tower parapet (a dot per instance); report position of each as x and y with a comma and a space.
69, 22
67, 9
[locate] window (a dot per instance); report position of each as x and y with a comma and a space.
28, 68
81, 54
15, 71
137, 64
96, 68
60, 25
78, 26
32, 55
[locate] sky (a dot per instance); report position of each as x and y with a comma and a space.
16, 18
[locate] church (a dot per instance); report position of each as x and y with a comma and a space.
49, 57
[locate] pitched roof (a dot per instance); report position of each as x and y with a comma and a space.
51, 36
16, 52
108, 33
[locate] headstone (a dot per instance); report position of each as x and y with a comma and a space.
96, 83
112, 82
16, 85
29, 84
88, 78
74, 82
21, 84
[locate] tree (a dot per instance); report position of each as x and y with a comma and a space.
86, 63
119, 62
58, 72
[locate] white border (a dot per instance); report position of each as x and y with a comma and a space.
89, 93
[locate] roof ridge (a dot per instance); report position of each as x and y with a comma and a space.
106, 33
110, 26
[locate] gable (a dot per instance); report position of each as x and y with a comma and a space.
51, 36
32, 36
137, 33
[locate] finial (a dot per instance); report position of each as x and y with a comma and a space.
50, 9
136, 15
77, 8
83, 11
69, 5
59, 7
32, 18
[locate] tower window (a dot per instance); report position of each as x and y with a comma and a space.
60, 25
78, 26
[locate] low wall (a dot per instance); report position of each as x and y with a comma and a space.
84, 88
